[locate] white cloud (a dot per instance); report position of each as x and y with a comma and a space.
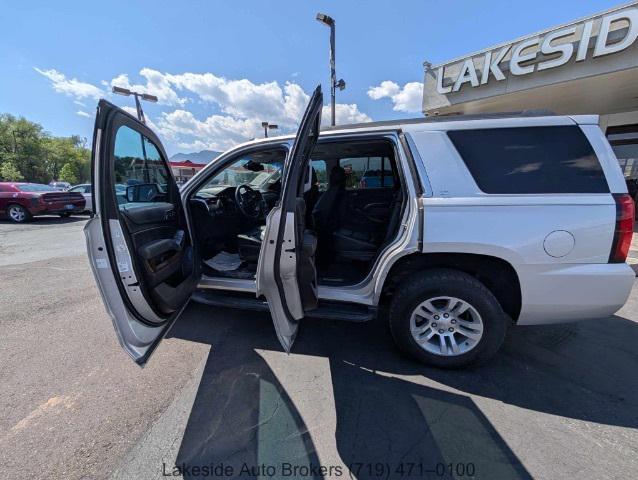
149, 122
71, 87
217, 132
243, 104
245, 99
240, 105
156, 84
344, 113
82, 113
406, 99
387, 88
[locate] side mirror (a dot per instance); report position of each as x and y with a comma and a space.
142, 192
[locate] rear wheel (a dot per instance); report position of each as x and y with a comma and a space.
18, 214
447, 318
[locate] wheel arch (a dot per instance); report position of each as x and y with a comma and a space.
497, 274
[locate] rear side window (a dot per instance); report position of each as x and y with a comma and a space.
530, 160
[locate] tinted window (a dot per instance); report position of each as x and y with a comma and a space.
530, 160
319, 167
139, 169
367, 172
33, 187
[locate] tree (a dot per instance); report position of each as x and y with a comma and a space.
68, 174
39, 156
8, 171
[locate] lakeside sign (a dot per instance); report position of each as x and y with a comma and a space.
611, 33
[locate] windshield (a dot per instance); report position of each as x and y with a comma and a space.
33, 187
267, 178
246, 171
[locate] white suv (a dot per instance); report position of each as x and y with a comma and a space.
461, 226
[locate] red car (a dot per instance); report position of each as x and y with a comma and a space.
21, 201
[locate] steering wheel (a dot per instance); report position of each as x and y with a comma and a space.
249, 201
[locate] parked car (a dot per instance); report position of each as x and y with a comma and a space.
489, 222
60, 186
85, 190
22, 201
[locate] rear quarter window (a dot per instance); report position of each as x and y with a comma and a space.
530, 160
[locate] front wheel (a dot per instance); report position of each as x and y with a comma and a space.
447, 318
18, 214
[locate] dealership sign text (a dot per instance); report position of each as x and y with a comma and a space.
521, 58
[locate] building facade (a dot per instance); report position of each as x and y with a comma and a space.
588, 66
184, 171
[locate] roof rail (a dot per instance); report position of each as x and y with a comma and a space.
452, 117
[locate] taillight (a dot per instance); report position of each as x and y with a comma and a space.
624, 227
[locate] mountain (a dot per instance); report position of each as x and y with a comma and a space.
204, 156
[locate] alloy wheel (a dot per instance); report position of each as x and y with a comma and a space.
17, 213
446, 326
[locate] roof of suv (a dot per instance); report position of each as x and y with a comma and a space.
442, 118
525, 117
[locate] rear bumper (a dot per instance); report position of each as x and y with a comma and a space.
566, 293
57, 209
59, 212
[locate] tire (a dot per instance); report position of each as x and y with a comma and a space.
18, 214
65, 215
444, 288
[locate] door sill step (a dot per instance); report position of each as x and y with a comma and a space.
329, 310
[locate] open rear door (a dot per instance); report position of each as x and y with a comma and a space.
139, 243
286, 273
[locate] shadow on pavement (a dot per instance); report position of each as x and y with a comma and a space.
243, 415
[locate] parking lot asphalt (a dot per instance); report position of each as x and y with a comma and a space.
558, 402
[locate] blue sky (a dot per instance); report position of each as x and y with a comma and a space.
220, 68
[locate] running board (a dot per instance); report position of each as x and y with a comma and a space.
329, 310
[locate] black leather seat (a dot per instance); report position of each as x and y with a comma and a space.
325, 214
249, 243
364, 246
342, 241
312, 197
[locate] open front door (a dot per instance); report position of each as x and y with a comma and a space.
286, 273
139, 243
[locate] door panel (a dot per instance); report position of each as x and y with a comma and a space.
286, 274
139, 242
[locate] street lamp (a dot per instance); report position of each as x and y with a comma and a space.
268, 126
341, 84
144, 96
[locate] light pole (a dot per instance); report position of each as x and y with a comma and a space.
268, 126
138, 106
341, 84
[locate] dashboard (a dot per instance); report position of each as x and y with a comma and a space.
219, 201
